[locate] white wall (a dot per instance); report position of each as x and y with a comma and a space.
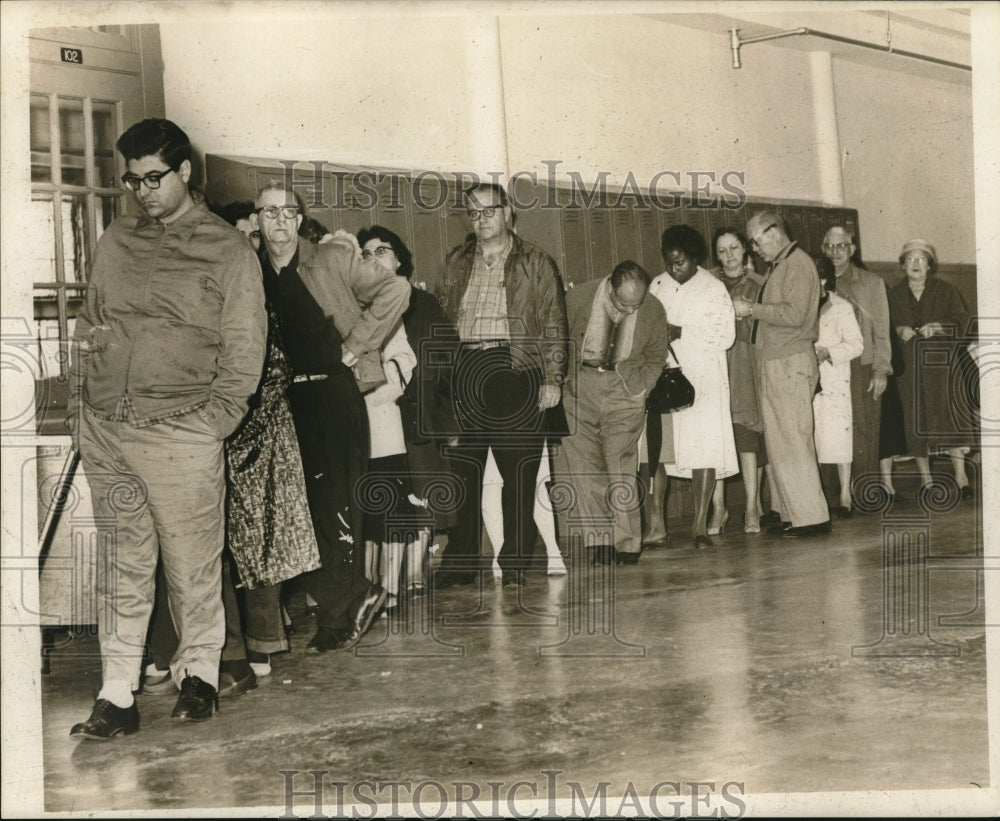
906, 144
613, 93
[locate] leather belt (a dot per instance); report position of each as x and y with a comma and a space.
309, 377
598, 368
486, 344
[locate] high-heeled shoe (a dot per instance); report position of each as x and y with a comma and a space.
716, 530
751, 525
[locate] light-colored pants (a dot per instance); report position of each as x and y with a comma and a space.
786, 388
601, 456
157, 490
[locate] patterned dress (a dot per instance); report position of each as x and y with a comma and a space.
269, 526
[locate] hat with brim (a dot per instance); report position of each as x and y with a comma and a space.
918, 245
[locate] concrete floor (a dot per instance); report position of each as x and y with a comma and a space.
742, 666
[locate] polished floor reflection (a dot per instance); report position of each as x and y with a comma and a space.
853, 661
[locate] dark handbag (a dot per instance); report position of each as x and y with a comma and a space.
672, 391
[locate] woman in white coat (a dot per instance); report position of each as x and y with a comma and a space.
702, 326
839, 342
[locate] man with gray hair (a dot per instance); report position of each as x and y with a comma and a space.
866, 293
785, 326
335, 312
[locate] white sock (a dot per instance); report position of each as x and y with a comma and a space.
118, 692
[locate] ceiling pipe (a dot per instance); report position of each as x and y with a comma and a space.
735, 42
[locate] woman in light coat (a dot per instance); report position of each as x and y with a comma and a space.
702, 326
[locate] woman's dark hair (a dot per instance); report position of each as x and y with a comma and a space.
399, 248
235, 211
724, 231
827, 274
312, 229
685, 239
160, 137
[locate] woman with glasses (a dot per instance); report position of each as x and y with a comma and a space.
701, 329
731, 252
424, 412
931, 321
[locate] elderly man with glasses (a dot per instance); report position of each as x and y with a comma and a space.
867, 295
785, 326
505, 296
335, 311
167, 350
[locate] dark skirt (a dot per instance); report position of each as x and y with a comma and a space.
892, 431
749, 440
389, 515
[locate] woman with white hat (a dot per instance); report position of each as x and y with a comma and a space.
931, 320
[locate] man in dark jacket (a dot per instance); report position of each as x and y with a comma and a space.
617, 347
505, 296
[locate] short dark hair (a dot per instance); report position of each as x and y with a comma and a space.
628, 271
152, 136
236, 211
685, 239
488, 186
399, 248
312, 229
826, 271
724, 231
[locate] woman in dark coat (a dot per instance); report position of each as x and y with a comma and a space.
931, 321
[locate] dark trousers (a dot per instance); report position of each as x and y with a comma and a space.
497, 407
332, 428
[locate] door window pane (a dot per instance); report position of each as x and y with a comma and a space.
39, 247
105, 130
107, 210
71, 141
41, 139
76, 244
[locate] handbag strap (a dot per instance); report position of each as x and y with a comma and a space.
673, 355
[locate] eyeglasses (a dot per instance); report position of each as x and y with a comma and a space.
379, 252
152, 180
831, 247
475, 215
755, 242
289, 212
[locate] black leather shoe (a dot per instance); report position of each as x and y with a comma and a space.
106, 721
363, 614
701, 542
604, 555
842, 512
197, 701
772, 517
325, 639
967, 493
513, 578
229, 687
626, 558
779, 529
804, 531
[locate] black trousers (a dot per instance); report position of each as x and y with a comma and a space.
497, 407
332, 428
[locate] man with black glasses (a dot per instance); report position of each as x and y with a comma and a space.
168, 348
335, 311
506, 298
785, 326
